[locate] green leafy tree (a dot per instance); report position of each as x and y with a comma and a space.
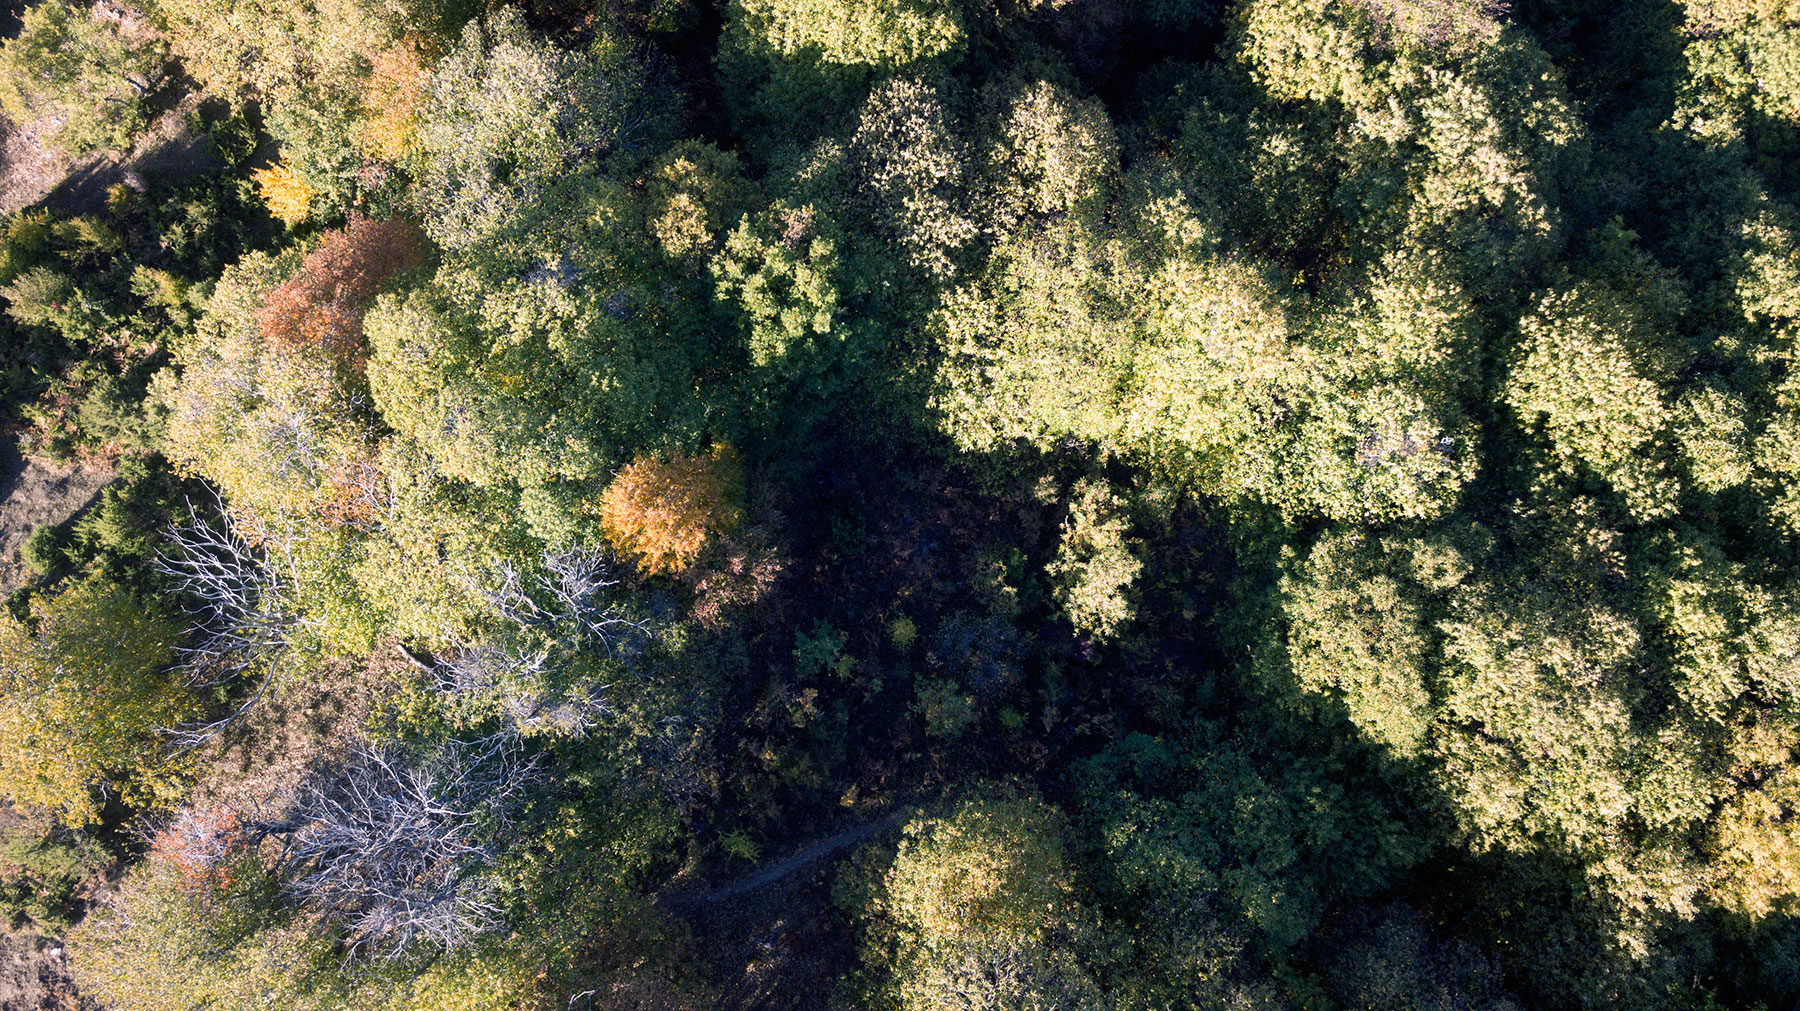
1360, 613
269, 423
1037, 348
793, 68
1740, 84
1094, 565
1619, 733
266, 47
913, 169
1263, 835
780, 278
89, 73
983, 909
507, 115
1053, 152
1581, 374
1387, 959
695, 195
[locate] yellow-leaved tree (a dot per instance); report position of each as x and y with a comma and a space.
84, 688
288, 196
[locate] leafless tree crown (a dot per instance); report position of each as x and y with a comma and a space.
569, 601
238, 615
393, 847
555, 616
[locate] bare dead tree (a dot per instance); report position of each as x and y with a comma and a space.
290, 446
573, 586
239, 617
392, 848
532, 673
230, 594
517, 676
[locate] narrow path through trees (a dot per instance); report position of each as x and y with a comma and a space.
771, 873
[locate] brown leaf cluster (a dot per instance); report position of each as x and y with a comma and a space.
322, 305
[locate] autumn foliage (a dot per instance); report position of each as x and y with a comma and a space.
288, 197
323, 305
389, 127
202, 846
359, 494
664, 511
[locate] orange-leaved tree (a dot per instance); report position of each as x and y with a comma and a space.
664, 510
389, 126
205, 846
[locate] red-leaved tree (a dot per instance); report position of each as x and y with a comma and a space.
323, 304
205, 846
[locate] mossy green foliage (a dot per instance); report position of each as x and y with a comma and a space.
41, 872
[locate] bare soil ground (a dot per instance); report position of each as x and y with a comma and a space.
32, 171
34, 492
34, 968
29, 167
34, 975
299, 726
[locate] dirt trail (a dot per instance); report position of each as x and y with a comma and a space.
771, 873
771, 940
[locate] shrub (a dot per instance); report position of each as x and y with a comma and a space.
23, 235
45, 551
1094, 565
947, 710
43, 297
41, 870
822, 651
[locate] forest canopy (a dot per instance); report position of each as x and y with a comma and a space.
910, 504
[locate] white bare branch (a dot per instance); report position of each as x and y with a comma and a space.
239, 617
392, 847
554, 617
572, 590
